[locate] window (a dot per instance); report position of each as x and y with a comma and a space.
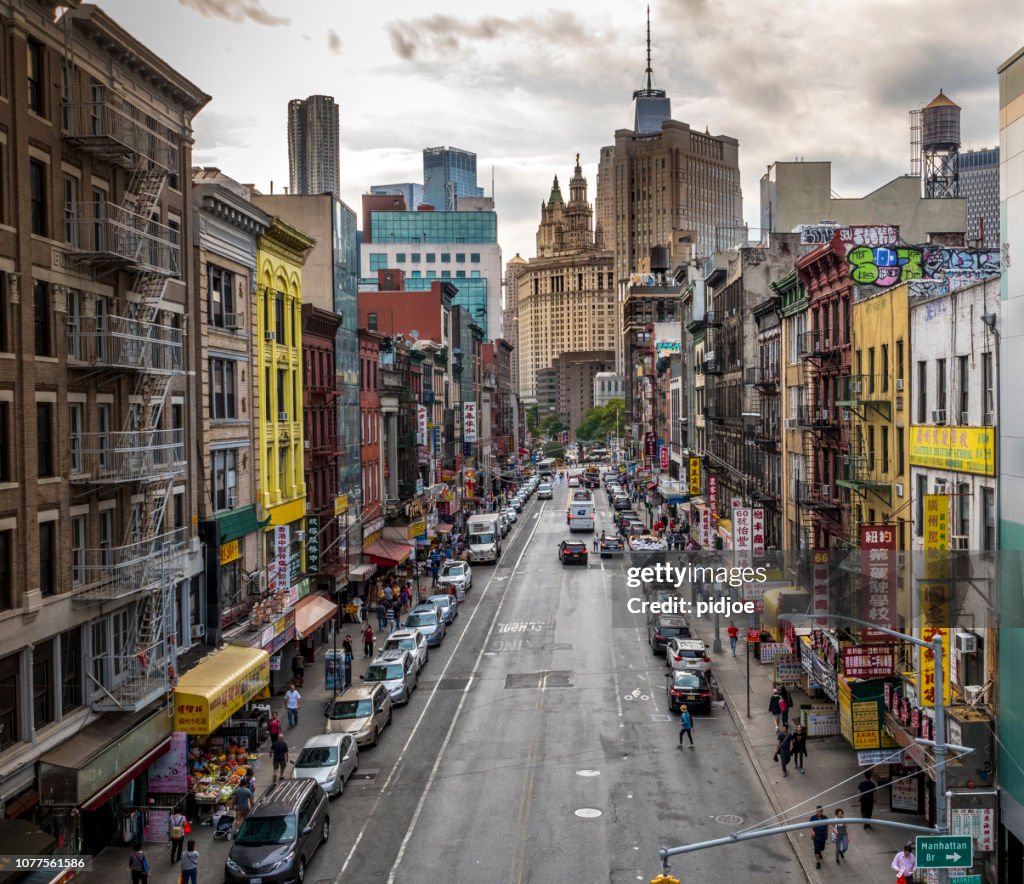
963, 384
222, 389
460, 257
76, 426
222, 296
47, 558
885, 368
224, 479
885, 449
460, 274
44, 439
6, 583
871, 369
99, 662
282, 391
474, 257
900, 452
103, 424
35, 69
431, 258
371, 321
922, 392
988, 517
415, 257
963, 510
378, 261
922, 491
4, 307
940, 384
71, 209
5, 441
446, 258
42, 684
78, 550
10, 720
37, 196
41, 318
107, 538
399, 257
70, 670
279, 318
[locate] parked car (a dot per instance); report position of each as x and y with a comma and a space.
690, 687
363, 711
620, 502
449, 606
687, 654
330, 759
572, 551
504, 522
396, 670
512, 514
611, 546
280, 835
429, 622
411, 640
516, 503
457, 574
663, 627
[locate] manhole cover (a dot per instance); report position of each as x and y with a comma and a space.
588, 772
364, 775
729, 819
550, 678
587, 813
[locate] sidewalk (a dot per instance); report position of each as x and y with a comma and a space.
829, 760
111, 864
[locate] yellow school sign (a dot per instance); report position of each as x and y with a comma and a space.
961, 449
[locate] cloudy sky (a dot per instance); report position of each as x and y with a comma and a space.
528, 84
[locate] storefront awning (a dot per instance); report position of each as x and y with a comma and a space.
387, 553
444, 528
101, 798
237, 523
361, 572
211, 692
313, 611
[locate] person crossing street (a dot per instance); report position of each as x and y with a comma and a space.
685, 726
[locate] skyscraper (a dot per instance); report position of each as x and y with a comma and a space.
979, 185
313, 156
448, 173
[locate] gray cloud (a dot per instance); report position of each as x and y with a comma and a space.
215, 130
334, 42
236, 11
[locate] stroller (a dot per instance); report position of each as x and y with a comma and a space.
224, 826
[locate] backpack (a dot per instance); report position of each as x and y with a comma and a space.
177, 827
782, 706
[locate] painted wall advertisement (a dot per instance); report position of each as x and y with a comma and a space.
169, 773
469, 422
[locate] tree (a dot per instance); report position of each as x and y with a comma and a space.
601, 420
532, 420
552, 426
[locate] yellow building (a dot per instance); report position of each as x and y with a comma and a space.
280, 253
875, 413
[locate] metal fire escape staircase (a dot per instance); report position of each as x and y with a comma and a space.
144, 459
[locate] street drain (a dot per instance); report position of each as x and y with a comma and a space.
729, 819
548, 678
587, 813
588, 772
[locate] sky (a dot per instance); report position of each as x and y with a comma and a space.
527, 85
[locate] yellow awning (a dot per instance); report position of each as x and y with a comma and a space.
311, 612
211, 692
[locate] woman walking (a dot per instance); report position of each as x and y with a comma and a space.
840, 836
799, 747
190, 864
176, 834
368, 638
775, 708
784, 748
685, 726
138, 862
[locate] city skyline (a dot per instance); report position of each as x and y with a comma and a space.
529, 100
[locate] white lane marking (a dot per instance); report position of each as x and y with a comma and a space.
426, 706
455, 718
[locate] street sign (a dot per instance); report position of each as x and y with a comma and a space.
753, 635
965, 879
945, 852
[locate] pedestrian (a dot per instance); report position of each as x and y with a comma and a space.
368, 638
904, 864
138, 862
389, 593
274, 727
775, 709
784, 709
346, 653
190, 864
799, 747
176, 833
298, 669
685, 726
390, 618
840, 836
279, 757
820, 835
595, 543
866, 788
291, 702
734, 635
784, 747
787, 698
243, 802
381, 620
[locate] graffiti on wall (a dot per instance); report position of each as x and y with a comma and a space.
884, 266
817, 234
888, 264
940, 261
870, 235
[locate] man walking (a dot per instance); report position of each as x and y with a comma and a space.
734, 636
784, 748
799, 747
368, 638
866, 788
346, 653
291, 702
390, 619
775, 708
904, 863
243, 803
820, 835
279, 757
685, 726
176, 834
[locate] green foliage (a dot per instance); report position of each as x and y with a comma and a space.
599, 422
532, 420
551, 425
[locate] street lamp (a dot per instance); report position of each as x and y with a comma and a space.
939, 744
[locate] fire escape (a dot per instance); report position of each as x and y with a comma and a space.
763, 433
863, 472
144, 459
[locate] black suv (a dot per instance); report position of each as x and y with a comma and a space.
663, 627
280, 835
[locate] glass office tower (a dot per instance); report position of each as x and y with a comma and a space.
448, 173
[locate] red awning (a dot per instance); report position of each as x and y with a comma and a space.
105, 794
652, 486
387, 553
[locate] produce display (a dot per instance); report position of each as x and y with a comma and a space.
216, 785
647, 543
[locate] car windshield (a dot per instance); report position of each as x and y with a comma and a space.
317, 756
443, 600
382, 672
406, 644
672, 630
686, 680
481, 538
456, 570
343, 709
423, 618
261, 830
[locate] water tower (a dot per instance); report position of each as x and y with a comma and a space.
940, 148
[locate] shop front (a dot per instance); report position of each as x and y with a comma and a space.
272, 630
313, 614
93, 789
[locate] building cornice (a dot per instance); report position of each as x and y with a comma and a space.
219, 202
286, 241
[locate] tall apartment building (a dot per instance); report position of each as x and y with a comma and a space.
576, 373
313, 145
449, 174
604, 199
979, 185
566, 294
100, 565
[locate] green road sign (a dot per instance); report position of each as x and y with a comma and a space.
945, 851
965, 879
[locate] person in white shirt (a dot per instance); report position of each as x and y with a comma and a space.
291, 702
904, 863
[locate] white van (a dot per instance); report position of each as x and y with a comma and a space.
581, 515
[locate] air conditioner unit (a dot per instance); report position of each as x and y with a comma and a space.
966, 642
856, 386
899, 383
791, 423
847, 415
232, 320
198, 630
300, 536
973, 692
987, 419
939, 416
269, 336
282, 415
826, 492
899, 489
959, 542
963, 418
305, 444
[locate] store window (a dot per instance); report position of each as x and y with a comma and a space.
42, 684
70, 670
229, 584
10, 721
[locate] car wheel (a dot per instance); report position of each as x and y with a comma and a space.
325, 831
341, 790
300, 873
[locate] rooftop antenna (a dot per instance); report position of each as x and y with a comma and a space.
649, 48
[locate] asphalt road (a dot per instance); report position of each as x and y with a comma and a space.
538, 747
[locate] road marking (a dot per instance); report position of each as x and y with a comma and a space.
455, 718
401, 755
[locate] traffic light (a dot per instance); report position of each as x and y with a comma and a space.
664, 879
